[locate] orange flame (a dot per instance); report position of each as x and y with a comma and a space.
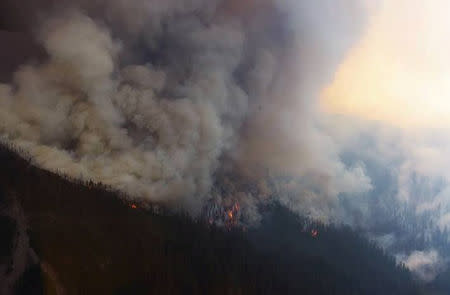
230, 214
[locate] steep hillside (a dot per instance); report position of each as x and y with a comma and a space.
79, 238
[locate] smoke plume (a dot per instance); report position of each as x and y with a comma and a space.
212, 103
163, 99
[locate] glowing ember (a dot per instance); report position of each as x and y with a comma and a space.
230, 214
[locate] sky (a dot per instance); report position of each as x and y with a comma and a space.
392, 90
395, 81
398, 72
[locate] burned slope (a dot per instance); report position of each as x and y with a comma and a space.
89, 240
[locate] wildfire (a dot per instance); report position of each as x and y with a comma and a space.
227, 215
232, 215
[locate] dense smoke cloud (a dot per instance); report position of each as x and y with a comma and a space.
156, 98
195, 102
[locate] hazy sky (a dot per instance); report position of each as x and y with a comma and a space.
399, 71
388, 103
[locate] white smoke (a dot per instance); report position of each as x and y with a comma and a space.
425, 264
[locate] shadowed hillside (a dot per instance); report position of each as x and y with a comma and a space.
84, 239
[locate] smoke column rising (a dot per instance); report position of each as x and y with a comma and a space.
192, 102
151, 98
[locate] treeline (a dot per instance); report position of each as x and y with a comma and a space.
360, 266
91, 241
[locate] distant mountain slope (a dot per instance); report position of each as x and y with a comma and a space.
90, 241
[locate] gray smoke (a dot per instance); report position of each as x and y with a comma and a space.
199, 102
156, 98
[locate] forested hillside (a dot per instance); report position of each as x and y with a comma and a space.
84, 239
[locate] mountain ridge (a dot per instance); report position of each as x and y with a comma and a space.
89, 240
